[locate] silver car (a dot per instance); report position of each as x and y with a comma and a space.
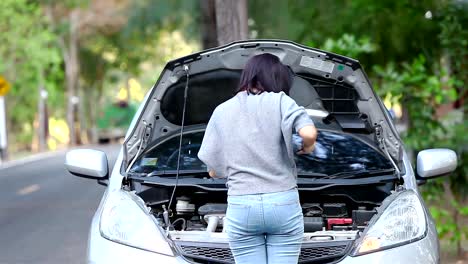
358, 190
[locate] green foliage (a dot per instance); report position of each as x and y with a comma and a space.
447, 226
28, 58
454, 38
398, 28
349, 45
443, 217
420, 91
147, 17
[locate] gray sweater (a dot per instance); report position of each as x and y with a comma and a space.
249, 140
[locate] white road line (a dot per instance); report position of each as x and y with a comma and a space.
31, 158
45, 155
28, 189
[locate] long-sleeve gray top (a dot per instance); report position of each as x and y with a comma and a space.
249, 140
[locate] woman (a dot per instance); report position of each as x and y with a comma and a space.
249, 140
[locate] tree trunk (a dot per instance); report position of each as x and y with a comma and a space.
69, 48
243, 19
82, 109
92, 129
42, 115
231, 20
445, 64
71, 72
208, 24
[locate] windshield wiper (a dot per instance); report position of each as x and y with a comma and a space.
312, 174
351, 174
174, 172
338, 175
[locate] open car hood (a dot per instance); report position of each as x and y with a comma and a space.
323, 81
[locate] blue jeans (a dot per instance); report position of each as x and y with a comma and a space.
265, 228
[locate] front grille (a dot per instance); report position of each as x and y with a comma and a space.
208, 254
211, 253
319, 254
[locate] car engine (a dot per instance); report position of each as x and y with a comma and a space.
333, 218
325, 216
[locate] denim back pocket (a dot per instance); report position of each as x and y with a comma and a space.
288, 216
237, 217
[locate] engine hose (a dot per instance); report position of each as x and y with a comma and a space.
184, 223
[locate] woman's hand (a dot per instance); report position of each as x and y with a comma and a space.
306, 150
212, 173
309, 136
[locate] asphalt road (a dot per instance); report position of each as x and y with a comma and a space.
45, 212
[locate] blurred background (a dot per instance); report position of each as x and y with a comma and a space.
73, 72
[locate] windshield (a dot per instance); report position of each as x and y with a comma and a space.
334, 153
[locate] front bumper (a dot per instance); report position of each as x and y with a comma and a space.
101, 250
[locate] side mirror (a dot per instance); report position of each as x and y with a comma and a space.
87, 163
435, 162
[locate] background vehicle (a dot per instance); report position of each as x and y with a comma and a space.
358, 189
114, 120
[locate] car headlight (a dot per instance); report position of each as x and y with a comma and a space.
124, 221
403, 221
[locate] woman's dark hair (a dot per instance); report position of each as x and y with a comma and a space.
265, 73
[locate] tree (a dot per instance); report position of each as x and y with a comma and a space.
72, 23
453, 36
398, 28
209, 37
31, 61
213, 22
69, 48
231, 20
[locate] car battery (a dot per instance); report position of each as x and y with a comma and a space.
312, 224
335, 210
361, 217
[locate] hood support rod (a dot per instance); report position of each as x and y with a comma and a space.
381, 139
187, 74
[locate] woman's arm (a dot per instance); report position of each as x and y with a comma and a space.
295, 117
210, 149
309, 136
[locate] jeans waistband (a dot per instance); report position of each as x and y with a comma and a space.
268, 197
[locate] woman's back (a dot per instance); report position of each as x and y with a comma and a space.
248, 140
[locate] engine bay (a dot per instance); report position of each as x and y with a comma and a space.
325, 216
329, 215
